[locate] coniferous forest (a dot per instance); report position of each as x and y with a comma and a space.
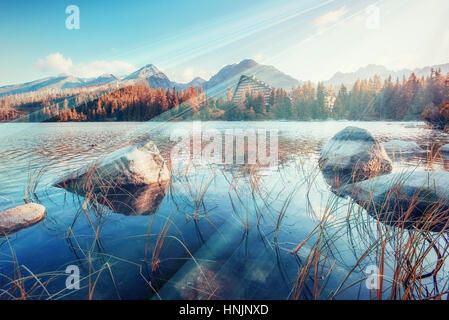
425, 98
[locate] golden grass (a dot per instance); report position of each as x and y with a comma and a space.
411, 261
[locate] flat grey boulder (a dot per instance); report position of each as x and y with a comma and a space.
24, 216
125, 179
400, 148
413, 199
352, 155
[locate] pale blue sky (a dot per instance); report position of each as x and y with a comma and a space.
308, 39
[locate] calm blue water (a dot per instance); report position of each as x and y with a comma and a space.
236, 243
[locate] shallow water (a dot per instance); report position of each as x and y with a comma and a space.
234, 244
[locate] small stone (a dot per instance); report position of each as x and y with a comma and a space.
398, 148
24, 216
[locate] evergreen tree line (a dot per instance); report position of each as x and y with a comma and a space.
38, 106
370, 99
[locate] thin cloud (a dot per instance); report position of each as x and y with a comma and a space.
330, 17
187, 74
258, 57
57, 63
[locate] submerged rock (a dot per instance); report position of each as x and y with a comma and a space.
143, 200
414, 199
200, 284
399, 148
24, 216
352, 155
132, 180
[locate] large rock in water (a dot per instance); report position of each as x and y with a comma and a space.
131, 181
353, 155
399, 148
414, 199
20, 217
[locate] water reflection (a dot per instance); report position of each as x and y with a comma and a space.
133, 200
225, 218
144, 200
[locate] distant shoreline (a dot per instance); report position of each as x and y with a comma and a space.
255, 120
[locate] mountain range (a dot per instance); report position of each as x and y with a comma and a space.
229, 75
371, 70
155, 78
56, 83
226, 77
